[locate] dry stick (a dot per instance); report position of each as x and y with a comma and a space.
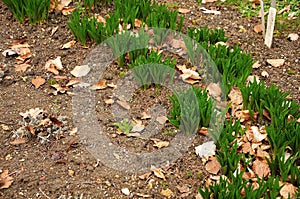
262, 17
270, 24
44, 193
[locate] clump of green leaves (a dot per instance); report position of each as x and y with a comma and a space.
191, 109
205, 34
151, 68
35, 10
93, 3
124, 125
232, 188
257, 98
233, 65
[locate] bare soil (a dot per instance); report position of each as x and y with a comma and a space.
63, 167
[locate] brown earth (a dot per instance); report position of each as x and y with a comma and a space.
63, 167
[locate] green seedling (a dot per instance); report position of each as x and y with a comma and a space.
151, 68
169, 132
35, 10
191, 109
125, 125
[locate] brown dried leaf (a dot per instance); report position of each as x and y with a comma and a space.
235, 96
293, 37
204, 131
145, 176
161, 144
246, 147
137, 23
100, 19
208, 1
183, 10
53, 31
261, 168
67, 10
124, 104
145, 116
72, 82
99, 85
257, 135
213, 166
167, 193
257, 28
80, 71
162, 119
5, 180
276, 62
18, 141
38, 81
214, 90
22, 67
288, 190
68, 45
256, 65
108, 100
158, 173
183, 189
265, 74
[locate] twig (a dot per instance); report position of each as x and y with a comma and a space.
44, 193
8, 123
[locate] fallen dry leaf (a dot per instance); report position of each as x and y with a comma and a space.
138, 127
21, 67
213, 166
18, 141
288, 190
137, 23
161, 144
54, 65
53, 31
80, 71
256, 65
5, 180
145, 116
124, 104
206, 149
207, 11
293, 37
4, 127
162, 119
72, 82
204, 131
158, 173
68, 45
257, 28
251, 79
261, 168
38, 81
208, 1
99, 85
100, 19
67, 10
276, 62
183, 10
235, 96
214, 90
145, 176
167, 193
265, 74
59, 89
257, 135
183, 189
108, 100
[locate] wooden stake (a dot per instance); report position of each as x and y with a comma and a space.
270, 24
